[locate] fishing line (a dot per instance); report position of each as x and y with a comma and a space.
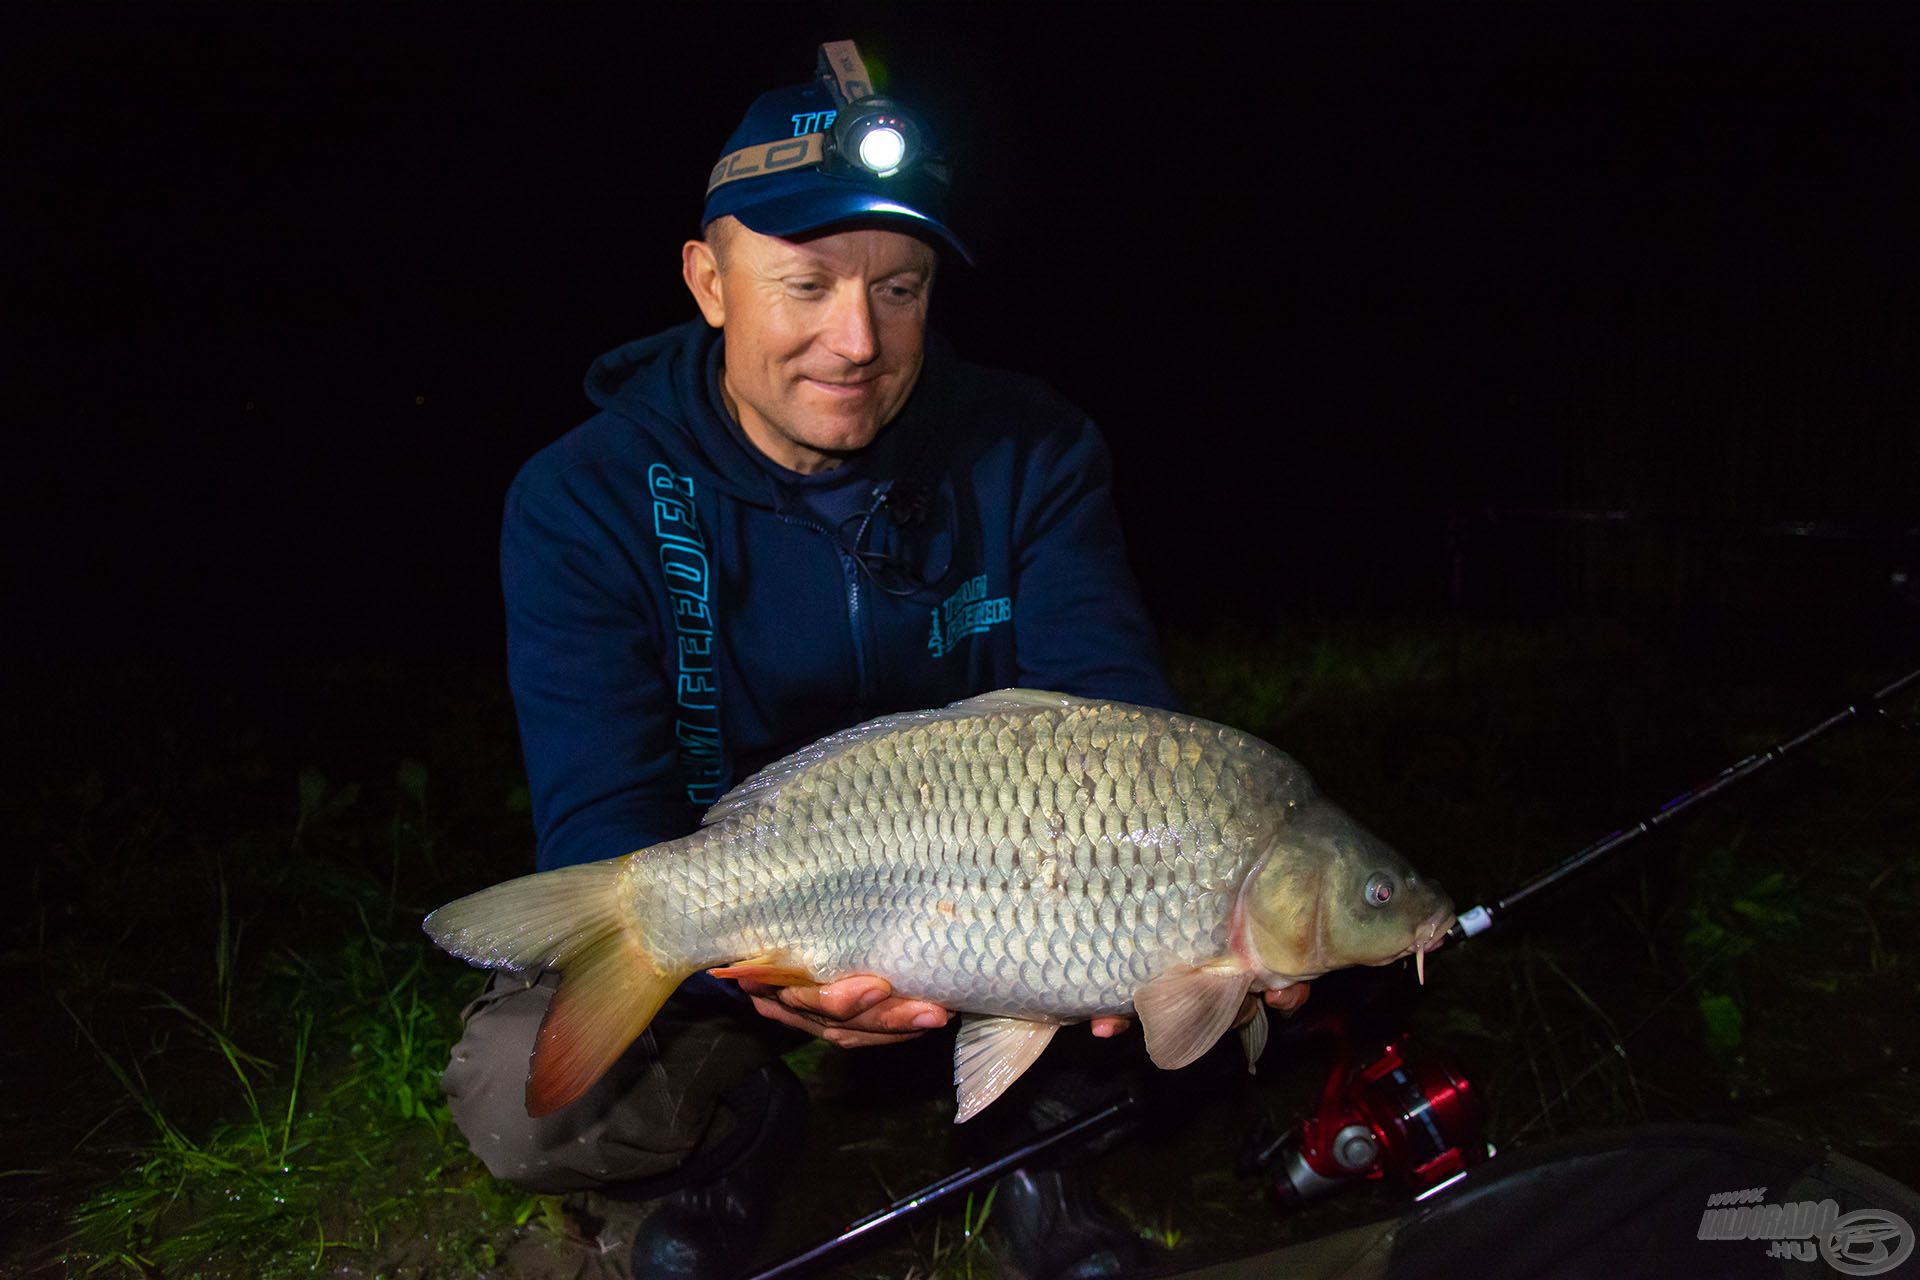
1477, 920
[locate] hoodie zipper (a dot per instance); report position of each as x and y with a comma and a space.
857, 624
850, 574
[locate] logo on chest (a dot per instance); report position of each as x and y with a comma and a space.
966, 612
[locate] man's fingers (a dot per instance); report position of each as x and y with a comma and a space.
857, 1010
900, 1017
866, 1003
840, 1000
1289, 998
1108, 1027
846, 1037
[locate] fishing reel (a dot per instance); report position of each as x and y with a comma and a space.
1406, 1116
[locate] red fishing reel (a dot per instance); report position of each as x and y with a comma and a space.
1408, 1116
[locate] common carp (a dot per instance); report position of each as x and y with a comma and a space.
1029, 859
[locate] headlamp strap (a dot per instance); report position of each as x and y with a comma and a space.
768, 157
843, 70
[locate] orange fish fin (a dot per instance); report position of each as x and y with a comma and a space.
767, 969
1184, 1011
990, 1054
609, 992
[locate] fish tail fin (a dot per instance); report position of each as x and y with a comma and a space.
609, 992
577, 920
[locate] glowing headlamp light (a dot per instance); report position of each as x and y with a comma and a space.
876, 135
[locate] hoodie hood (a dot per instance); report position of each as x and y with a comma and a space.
667, 386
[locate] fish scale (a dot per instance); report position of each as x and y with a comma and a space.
992, 882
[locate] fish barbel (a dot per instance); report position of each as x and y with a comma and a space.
1029, 859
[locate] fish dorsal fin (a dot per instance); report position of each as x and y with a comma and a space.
991, 1053
766, 784
1184, 1011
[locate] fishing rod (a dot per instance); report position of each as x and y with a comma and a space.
953, 1184
1477, 920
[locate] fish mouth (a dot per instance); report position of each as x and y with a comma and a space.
1431, 933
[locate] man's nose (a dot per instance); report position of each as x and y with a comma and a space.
851, 332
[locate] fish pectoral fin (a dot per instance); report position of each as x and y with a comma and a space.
990, 1054
1183, 1012
1253, 1032
775, 971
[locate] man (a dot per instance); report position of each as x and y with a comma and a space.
795, 514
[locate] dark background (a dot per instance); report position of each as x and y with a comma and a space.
1373, 301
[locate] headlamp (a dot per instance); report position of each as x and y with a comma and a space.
876, 135
866, 136
870, 133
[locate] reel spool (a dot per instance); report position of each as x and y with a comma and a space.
1409, 1117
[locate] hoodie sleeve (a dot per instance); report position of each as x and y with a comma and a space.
1079, 623
583, 660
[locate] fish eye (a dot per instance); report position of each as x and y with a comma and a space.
1379, 889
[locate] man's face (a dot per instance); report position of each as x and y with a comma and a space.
825, 336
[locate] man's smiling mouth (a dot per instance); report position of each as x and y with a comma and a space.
842, 388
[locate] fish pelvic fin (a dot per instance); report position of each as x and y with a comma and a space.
579, 921
1184, 1011
991, 1053
1253, 1032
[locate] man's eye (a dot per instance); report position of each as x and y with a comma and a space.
805, 287
899, 293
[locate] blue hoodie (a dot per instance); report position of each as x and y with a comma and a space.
682, 611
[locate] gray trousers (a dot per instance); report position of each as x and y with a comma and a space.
654, 1120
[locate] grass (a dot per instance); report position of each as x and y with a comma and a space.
336, 1162
962, 1253
266, 1034
233, 1027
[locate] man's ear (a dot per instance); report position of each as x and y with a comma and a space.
701, 270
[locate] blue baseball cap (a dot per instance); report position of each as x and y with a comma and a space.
771, 179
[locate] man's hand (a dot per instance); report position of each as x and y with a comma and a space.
853, 1012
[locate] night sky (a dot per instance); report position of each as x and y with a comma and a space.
291, 291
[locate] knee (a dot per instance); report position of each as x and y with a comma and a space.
485, 1085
